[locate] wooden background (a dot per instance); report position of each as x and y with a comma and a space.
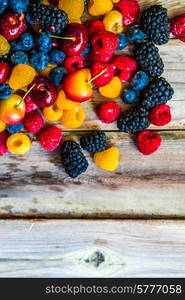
35, 187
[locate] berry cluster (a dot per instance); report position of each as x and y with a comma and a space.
44, 75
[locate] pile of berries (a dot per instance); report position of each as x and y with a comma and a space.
44, 76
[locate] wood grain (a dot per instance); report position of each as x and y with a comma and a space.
92, 248
36, 184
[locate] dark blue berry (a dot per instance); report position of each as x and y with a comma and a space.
19, 57
24, 43
15, 128
3, 5
122, 41
56, 57
39, 60
140, 81
19, 6
44, 43
129, 96
136, 34
57, 74
5, 91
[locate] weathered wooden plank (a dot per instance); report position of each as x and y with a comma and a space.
36, 184
68, 248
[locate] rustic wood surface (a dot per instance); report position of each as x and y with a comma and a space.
66, 248
36, 185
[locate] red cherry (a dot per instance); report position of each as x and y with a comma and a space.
4, 72
78, 44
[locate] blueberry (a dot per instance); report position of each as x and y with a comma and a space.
129, 96
57, 74
140, 81
56, 57
122, 41
86, 50
15, 128
19, 6
136, 34
39, 60
19, 57
3, 5
25, 43
5, 91
44, 43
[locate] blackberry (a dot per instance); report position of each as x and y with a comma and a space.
133, 120
73, 159
94, 142
147, 56
159, 91
155, 23
51, 19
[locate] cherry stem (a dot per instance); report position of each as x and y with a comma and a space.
98, 75
31, 88
72, 38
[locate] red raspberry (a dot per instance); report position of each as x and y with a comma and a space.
125, 67
94, 26
148, 142
3, 138
104, 43
130, 10
33, 122
160, 115
109, 112
178, 27
106, 77
73, 63
50, 137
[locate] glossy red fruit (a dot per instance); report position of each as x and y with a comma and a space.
12, 25
177, 27
94, 26
77, 86
73, 63
104, 43
44, 93
148, 142
29, 102
106, 77
130, 10
4, 71
125, 66
76, 46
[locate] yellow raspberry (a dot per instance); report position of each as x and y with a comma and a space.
21, 76
73, 118
113, 22
74, 9
64, 103
53, 113
47, 70
4, 46
112, 89
99, 7
18, 143
107, 159
2, 126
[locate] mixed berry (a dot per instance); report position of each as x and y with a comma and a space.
50, 62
